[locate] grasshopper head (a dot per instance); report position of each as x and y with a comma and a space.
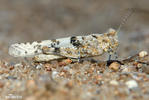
113, 43
109, 41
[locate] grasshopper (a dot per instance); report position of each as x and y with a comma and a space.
74, 47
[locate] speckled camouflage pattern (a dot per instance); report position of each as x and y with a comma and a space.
69, 47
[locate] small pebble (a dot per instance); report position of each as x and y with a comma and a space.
69, 84
47, 65
145, 69
67, 68
11, 68
18, 65
31, 84
1, 85
143, 54
39, 66
126, 70
139, 65
114, 82
65, 62
115, 66
54, 74
132, 84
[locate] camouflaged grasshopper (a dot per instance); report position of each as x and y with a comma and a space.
74, 47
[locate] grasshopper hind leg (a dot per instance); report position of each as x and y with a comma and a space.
46, 58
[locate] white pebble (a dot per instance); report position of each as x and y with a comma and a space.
67, 68
143, 54
132, 84
18, 65
114, 82
54, 74
39, 66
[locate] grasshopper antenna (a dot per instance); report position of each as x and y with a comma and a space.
124, 20
126, 17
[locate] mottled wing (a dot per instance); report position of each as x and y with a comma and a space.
80, 46
27, 49
35, 48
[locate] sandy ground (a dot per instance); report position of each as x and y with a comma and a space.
30, 20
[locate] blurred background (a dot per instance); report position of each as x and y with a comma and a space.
35, 20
